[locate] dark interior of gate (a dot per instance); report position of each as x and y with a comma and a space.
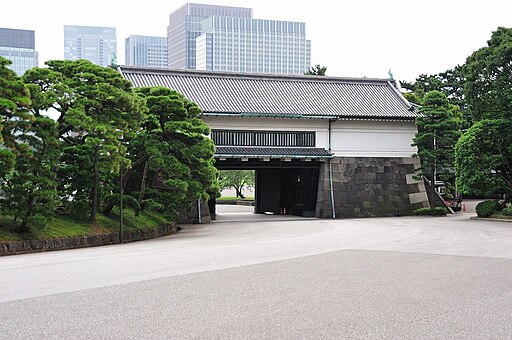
285, 187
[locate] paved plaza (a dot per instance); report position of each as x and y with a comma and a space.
249, 276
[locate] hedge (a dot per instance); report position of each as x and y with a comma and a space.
487, 208
507, 211
439, 211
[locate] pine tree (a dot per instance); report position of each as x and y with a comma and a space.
438, 131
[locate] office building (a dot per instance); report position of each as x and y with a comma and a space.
185, 26
97, 44
19, 47
146, 51
253, 45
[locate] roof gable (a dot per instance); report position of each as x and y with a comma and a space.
221, 93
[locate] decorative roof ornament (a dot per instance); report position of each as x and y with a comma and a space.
390, 76
392, 80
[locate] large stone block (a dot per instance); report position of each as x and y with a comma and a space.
410, 160
418, 197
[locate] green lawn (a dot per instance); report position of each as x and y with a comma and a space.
234, 198
65, 226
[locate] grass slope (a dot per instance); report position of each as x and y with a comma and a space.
234, 198
65, 226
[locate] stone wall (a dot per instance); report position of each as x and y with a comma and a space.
32, 246
190, 216
370, 187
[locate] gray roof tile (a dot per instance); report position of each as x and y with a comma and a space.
279, 95
229, 151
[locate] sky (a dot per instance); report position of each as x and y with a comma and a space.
358, 38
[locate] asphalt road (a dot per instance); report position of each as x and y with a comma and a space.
272, 277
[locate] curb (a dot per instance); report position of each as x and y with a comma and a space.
35, 246
490, 219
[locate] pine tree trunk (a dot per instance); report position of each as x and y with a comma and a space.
143, 182
126, 176
96, 183
23, 227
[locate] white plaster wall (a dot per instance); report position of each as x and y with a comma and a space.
373, 138
349, 138
253, 123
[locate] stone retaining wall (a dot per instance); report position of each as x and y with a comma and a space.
370, 187
31, 246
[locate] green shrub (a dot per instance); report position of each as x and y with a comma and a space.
152, 205
507, 211
439, 211
128, 201
80, 209
487, 208
37, 221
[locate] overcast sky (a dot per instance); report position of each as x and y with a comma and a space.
352, 38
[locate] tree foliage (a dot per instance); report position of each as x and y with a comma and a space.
489, 77
95, 107
450, 82
316, 70
172, 156
14, 98
31, 189
484, 158
236, 179
28, 156
484, 154
103, 135
438, 131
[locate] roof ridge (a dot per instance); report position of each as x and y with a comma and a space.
254, 76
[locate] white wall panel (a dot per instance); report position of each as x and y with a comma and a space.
350, 138
373, 138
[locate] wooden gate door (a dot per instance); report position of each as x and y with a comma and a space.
268, 190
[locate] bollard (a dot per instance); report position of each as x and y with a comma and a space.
463, 206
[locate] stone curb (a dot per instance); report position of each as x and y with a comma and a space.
490, 219
33, 246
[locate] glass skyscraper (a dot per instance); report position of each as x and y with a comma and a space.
146, 51
185, 26
19, 47
253, 45
97, 44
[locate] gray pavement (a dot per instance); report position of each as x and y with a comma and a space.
250, 276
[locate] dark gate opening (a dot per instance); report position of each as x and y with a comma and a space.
288, 191
282, 187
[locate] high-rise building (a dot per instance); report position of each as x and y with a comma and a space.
185, 26
19, 47
146, 51
97, 44
253, 45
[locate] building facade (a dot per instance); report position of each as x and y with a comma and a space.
185, 26
321, 146
146, 51
253, 45
96, 44
19, 47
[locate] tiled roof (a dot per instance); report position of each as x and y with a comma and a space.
228, 151
221, 93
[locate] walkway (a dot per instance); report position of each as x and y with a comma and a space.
251, 276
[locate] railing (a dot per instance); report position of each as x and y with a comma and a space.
263, 138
